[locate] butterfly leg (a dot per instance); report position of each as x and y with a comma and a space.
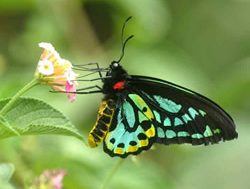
95, 70
90, 87
88, 92
83, 90
95, 79
100, 73
84, 66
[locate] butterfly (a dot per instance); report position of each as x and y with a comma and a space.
139, 111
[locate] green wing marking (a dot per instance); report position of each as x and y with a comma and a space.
179, 123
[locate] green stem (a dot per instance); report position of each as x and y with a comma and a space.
112, 173
8, 106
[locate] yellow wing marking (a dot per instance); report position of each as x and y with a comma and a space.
141, 104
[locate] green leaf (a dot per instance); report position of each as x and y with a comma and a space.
34, 117
6, 172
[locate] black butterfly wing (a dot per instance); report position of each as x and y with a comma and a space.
152, 110
181, 115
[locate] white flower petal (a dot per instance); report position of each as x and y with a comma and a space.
49, 47
46, 46
66, 63
45, 67
71, 76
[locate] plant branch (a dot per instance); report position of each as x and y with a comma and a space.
8, 106
112, 173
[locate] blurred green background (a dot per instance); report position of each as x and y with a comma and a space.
203, 45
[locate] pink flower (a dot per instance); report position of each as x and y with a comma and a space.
56, 72
55, 177
70, 89
49, 179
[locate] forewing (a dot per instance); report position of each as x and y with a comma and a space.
181, 115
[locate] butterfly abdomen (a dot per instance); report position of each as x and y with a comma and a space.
103, 122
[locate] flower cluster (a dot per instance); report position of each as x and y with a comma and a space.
56, 72
49, 179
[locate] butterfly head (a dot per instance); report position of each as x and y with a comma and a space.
114, 65
116, 71
116, 76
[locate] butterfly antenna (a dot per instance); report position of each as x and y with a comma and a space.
124, 42
123, 27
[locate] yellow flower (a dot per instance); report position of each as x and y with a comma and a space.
56, 72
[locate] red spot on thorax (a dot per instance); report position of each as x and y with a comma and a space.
119, 85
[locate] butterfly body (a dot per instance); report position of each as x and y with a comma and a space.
138, 111
103, 122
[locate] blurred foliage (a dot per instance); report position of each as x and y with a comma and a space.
6, 172
203, 45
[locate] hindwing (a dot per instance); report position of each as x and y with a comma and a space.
132, 128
